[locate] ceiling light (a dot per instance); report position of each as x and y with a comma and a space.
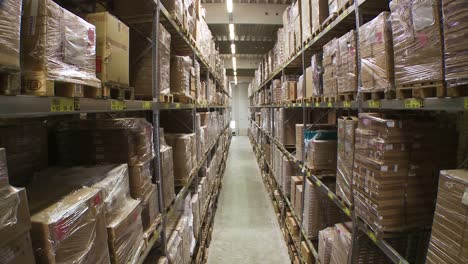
231, 35
234, 63
229, 6
233, 48
235, 80
235, 73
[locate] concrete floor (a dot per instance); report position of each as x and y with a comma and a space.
245, 229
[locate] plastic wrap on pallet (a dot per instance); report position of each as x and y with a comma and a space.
122, 140
448, 242
320, 12
320, 147
317, 74
176, 8
341, 247
455, 29
333, 6
167, 170
26, 145
347, 63
10, 24
306, 19
140, 178
182, 147
3, 169
276, 90
300, 87
180, 75
68, 228
330, 62
14, 212
417, 41
56, 46
344, 175
325, 244
375, 44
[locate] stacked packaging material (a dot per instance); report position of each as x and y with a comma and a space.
320, 148
184, 150
296, 26
317, 75
10, 19
455, 28
325, 244
58, 47
142, 73
287, 33
299, 140
279, 52
319, 211
295, 182
306, 18
376, 49
344, 175
121, 213
26, 143
330, 63
181, 68
417, 41
347, 63
341, 246
319, 13
167, 170
276, 90
289, 169
449, 242
15, 222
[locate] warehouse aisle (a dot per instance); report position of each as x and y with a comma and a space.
245, 228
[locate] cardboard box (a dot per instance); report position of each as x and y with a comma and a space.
183, 150
319, 13
112, 48
14, 211
57, 237
140, 178
167, 172
309, 74
330, 65
341, 247
181, 68
306, 19
325, 243
347, 63
58, 48
10, 19
346, 142
17, 250
125, 234
150, 207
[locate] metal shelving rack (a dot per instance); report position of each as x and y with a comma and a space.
25, 106
350, 19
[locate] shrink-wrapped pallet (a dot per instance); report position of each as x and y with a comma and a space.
317, 75
276, 90
330, 68
167, 170
376, 47
183, 150
320, 148
181, 68
344, 175
10, 25
58, 48
455, 19
417, 41
319, 13
341, 247
17, 250
325, 244
14, 212
306, 19
448, 242
347, 63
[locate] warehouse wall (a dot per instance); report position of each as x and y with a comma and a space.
240, 107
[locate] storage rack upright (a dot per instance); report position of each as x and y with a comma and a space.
26, 106
351, 18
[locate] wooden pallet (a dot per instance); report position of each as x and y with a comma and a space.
112, 90
349, 96
346, 5
421, 90
373, 95
317, 99
329, 99
10, 82
149, 234
59, 88
458, 91
167, 98
183, 99
328, 21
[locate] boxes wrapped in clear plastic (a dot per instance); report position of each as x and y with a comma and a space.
320, 147
317, 75
167, 170
330, 66
10, 25
183, 150
417, 41
14, 212
181, 68
344, 175
347, 63
325, 244
17, 250
57, 46
341, 247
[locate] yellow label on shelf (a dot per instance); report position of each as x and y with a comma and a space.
294, 105
375, 103
318, 183
331, 195
308, 104
63, 105
347, 211
317, 104
146, 105
177, 105
346, 104
330, 104
372, 236
414, 103
308, 173
118, 105
466, 103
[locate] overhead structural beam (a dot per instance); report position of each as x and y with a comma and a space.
242, 63
263, 14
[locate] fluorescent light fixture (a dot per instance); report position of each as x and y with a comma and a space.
231, 27
235, 73
235, 80
229, 6
233, 48
234, 63
231, 35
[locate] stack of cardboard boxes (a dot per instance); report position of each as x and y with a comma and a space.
10, 19
347, 63
344, 175
330, 65
184, 150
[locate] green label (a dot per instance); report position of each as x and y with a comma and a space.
375, 103
331, 195
317, 104
146, 105
118, 105
414, 103
346, 104
58, 105
372, 236
329, 104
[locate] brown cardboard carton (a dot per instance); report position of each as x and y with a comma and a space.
3, 169
69, 228
17, 250
10, 19
347, 63
325, 243
319, 13
181, 68
140, 177
295, 181
309, 75
330, 66
150, 207
14, 212
306, 19
346, 142
341, 247
167, 171
182, 147
58, 48
298, 201
112, 48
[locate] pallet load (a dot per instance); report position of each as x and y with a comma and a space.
15, 222
325, 244
344, 174
122, 214
306, 19
376, 49
448, 242
319, 211
455, 28
167, 170
58, 52
181, 68
330, 67
347, 66
320, 148
341, 245
10, 19
276, 90
317, 75
319, 14
417, 46
112, 55
184, 150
